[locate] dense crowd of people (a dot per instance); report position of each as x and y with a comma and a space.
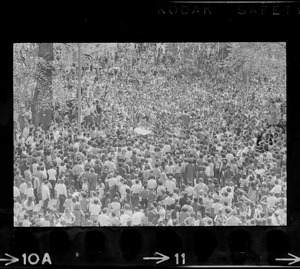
213, 157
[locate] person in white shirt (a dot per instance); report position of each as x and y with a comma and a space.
233, 220
170, 184
56, 134
17, 208
76, 144
29, 190
166, 148
26, 132
61, 192
127, 210
151, 184
52, 179
115, 207
175, 194
189, 189
276, 220
170, 168
277, 188
128, 153
229, 157
29, 140
111, 166
26, 222
200, 185
92, 108
169, 201
111, 181
44, 173
122, 190
67, 217
58, 160
23, 190
103, 219
225, 198
100, 190
211, 167
160, 189
62, 168
216, 206
86, 113
161, 211
125, 219
16, 193
137, 217
94, 210
260, 170
34, 167
136, 189
45, 195
272, 200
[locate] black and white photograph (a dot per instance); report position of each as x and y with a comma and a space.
149, 134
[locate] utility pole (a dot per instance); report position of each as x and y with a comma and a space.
79, 87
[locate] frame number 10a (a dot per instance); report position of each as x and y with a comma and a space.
33, 259
180, 258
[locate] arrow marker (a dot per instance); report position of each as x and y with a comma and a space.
11, 260
160, 259
293, 260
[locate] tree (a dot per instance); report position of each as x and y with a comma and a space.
258, 61
46, 74
25, 64
42, 101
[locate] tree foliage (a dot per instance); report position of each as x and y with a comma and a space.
260, 61
24, 70
111, 68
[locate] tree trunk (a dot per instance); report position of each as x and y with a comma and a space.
41, 107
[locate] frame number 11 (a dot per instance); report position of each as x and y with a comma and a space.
178, 258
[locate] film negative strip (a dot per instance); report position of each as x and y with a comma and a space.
189, 247
231, 204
